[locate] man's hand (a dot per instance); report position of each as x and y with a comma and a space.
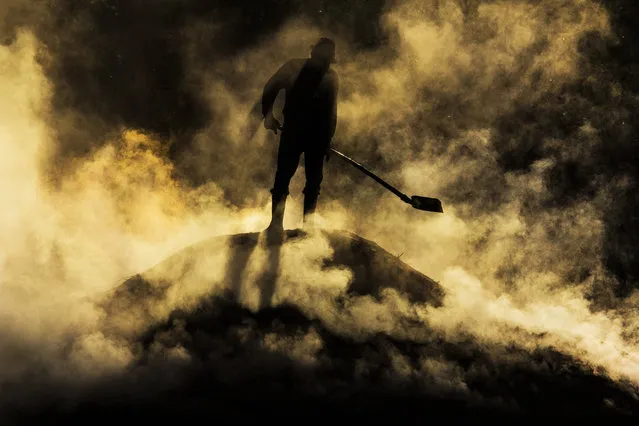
271, 123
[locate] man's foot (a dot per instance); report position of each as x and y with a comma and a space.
274, 234
309, 223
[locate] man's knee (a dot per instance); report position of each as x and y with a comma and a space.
283, 177
315, 177
312, 188
313, 182
279, 192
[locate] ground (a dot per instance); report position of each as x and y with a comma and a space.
208, 349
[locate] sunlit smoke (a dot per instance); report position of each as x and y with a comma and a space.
516, 268
463, 76
116, 213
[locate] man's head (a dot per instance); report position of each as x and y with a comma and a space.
324, 50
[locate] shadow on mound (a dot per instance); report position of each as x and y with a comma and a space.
221, 361
226, 265
225, 363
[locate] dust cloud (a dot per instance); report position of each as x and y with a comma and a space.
117, 212
484, 110
429, 110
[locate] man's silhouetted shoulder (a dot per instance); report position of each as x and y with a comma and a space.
331, 80
283, 79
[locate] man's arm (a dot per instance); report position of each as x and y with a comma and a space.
332, 124
334, 94
276, 83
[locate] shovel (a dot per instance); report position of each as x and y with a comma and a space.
427, 204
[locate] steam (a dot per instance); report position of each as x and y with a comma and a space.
431, 110
507, 260
516, 267
116, 213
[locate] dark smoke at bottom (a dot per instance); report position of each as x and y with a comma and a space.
214, 362
235, 379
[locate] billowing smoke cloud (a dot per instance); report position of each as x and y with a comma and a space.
501, 109
448, 108
119, 210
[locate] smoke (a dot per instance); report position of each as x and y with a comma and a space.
116, 212
438, 110
499, 111
509, 255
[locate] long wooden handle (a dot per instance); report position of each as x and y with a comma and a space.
405, 198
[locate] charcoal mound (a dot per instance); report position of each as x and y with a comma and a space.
215, 359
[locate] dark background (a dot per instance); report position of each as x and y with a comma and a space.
120, 64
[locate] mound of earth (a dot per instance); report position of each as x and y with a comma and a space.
226, 266
205, 352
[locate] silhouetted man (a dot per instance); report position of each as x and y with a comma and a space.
310, 117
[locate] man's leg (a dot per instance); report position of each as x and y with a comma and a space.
287, 161
313, 165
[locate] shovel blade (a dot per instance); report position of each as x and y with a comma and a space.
427, 204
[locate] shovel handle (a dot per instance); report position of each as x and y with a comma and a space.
405, 198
